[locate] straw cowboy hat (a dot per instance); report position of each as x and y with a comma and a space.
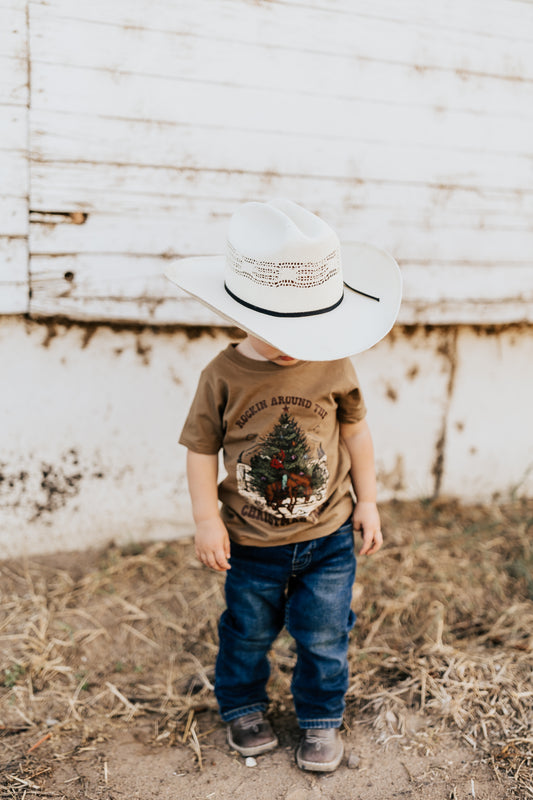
281, 280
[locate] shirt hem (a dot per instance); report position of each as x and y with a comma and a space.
336, 517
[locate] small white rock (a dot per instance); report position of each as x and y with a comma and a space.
251, 762
353, 761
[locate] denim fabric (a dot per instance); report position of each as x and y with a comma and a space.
308, 588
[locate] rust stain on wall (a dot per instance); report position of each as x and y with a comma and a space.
52, 327
448, 349
391, 393
394, 479
194, 332
58, 217
143, 350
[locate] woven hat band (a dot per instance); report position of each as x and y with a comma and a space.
285, 287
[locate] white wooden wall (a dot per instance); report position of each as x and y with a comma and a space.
14, 166
148, 121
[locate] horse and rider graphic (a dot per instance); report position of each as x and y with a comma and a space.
291, 486
285, 474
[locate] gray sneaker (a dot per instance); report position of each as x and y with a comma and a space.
320, 750
251, 734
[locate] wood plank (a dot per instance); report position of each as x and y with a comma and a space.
13, 216
97, 94
430, 43
466, 313
185, 311
13, 275
14, 172
200, 228
13, 55
14, 286
61, 137
14, 128
13, 297
488, 18
123, 288
13, 258
113, 287
13, 34
169, 55
436, 283
502, 18
88, 186
125, 277
13, 82
9, 5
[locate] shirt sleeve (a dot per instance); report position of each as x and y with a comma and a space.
203, 428
350, 402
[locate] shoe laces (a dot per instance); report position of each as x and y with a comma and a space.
319, 736
252, 720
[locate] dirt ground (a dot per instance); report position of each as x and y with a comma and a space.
126, 762
106, 665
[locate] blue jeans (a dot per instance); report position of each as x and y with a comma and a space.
308, 588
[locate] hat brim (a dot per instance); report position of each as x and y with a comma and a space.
358, 323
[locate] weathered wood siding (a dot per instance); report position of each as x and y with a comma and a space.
14, 188
409, 124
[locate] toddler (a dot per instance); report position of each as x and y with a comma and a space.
285, 408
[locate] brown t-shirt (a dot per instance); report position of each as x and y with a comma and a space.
288, 470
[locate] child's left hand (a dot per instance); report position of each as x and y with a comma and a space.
366, 519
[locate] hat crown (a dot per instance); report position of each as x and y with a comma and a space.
282, 259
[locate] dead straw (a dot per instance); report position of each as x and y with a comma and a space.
39, 743
444, 633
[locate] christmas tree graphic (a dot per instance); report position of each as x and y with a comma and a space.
283, 474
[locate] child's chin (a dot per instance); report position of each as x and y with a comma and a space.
286, 360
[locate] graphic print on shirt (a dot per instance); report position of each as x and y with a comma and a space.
286, 473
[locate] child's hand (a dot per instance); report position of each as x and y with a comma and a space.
212, 544
366, 520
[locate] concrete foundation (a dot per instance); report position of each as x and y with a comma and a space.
90, 416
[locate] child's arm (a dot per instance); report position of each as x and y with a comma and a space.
211, 539
358, 440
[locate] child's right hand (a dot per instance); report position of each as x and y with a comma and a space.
212, 544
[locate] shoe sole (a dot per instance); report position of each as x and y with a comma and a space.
316, 766
253, 751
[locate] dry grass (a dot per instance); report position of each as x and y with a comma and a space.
445, 627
